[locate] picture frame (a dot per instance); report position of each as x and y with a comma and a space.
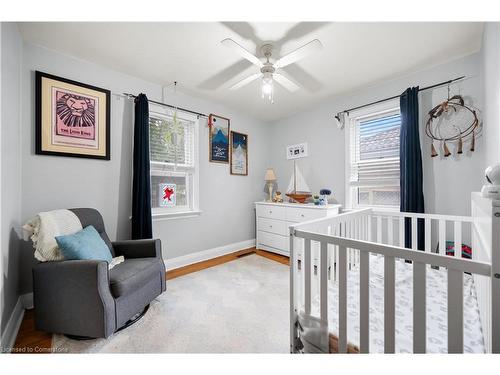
219, 142
71, 118
239, 154
296, 151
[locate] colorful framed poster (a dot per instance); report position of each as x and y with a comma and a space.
239, 154
71, 118
218, 146
167, 195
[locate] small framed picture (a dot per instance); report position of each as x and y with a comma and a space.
71, 118
218, 147
239, 154
168, 195
296, 151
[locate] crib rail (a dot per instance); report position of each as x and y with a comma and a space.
329, 247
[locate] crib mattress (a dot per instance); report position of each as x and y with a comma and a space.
437, 337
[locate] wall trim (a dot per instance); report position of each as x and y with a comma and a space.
9, 334
200, 256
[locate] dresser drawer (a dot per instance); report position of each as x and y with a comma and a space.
303, 214
273, 226
274, 240
271, 212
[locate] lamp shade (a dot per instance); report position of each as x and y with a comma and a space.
270, 176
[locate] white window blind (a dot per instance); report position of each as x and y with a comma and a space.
375, 150
374, 158
171, 141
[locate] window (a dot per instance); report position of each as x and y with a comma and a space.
173, 142
373, 157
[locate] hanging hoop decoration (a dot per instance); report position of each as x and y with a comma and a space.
452, 121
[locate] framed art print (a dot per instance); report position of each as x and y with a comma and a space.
239, 154
72, 118
218, 147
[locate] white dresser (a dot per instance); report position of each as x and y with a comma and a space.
273, 220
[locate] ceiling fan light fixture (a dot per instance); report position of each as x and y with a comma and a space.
268, 87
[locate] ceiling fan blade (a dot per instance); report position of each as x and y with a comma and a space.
299, 53
245, 81
242, 51
285, 82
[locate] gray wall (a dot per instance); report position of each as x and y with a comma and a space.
51, 182
447, 182
11, 46
491, 86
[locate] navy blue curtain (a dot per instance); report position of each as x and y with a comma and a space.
142, 226
411, 175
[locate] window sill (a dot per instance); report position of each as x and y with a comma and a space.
175, 215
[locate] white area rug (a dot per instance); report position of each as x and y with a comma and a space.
237, 307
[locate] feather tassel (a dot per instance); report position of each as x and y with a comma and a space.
433, 151
446, 150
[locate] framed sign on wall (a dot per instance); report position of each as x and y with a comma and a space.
218, 147
296, 151
71, 118
239, 154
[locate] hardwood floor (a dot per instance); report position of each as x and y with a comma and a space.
29, 340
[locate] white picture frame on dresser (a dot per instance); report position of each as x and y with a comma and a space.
274, 219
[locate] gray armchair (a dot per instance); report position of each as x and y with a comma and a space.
81, 298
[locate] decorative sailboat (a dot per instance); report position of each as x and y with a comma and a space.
298, 190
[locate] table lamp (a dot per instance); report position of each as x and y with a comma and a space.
270, 178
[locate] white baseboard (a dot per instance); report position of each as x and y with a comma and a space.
9, 334
200, 256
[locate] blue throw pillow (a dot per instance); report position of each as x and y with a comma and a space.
86, 244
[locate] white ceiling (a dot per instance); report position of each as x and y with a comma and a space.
354, 55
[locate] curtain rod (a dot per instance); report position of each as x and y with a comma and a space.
337, 116
169, 106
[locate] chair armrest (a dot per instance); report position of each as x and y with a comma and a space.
73, 297
138, 248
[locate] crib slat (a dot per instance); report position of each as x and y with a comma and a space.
342, 299
442, 237
419, 308
364, 301
414, 241
455, 311
379, 229
458, 239
369, 228
389, 305
390, 231
401, 231
307, 276
428, 235
324, 282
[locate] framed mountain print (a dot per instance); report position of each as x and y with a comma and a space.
72, 118
218, 147
239, 154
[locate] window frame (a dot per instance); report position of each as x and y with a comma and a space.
353, 118
192, 173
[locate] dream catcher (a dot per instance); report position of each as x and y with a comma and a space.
452, 121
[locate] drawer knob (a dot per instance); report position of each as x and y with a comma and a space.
270, 226
302, 215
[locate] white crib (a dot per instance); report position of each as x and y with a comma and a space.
326, 253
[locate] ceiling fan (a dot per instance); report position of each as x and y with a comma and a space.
269, 71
